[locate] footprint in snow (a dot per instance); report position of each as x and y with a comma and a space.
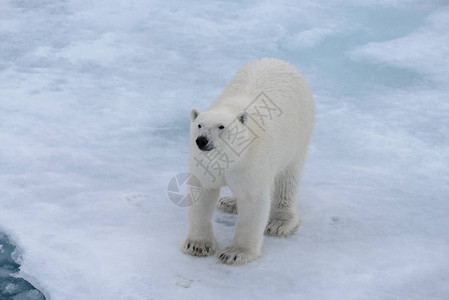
136, 199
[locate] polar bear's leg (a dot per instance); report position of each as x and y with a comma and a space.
254, 209
284, 218
200, 239
228, 204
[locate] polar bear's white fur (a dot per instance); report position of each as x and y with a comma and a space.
254, 140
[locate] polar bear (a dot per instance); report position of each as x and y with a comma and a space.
254, 140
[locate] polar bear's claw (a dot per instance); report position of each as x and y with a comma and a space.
282, 225
236, 256
199, 248
228, 205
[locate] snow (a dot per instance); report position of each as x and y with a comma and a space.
94, 102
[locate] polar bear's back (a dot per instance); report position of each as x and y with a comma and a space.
285, 131
255, 77
274, 77
280, 82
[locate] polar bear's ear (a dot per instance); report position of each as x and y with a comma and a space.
243, 117
194, 112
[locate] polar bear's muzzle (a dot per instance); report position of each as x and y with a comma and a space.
204, 144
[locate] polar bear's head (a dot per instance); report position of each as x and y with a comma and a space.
211, 129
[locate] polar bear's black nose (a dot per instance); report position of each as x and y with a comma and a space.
201, 142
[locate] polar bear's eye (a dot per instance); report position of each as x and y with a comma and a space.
221, 127
199, 125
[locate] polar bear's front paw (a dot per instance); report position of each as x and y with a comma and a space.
228, 205
236, 255
282, 224
199, 248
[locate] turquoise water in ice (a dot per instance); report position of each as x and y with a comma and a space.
11, 286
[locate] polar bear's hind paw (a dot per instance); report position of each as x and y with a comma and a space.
282, 225
228, 205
